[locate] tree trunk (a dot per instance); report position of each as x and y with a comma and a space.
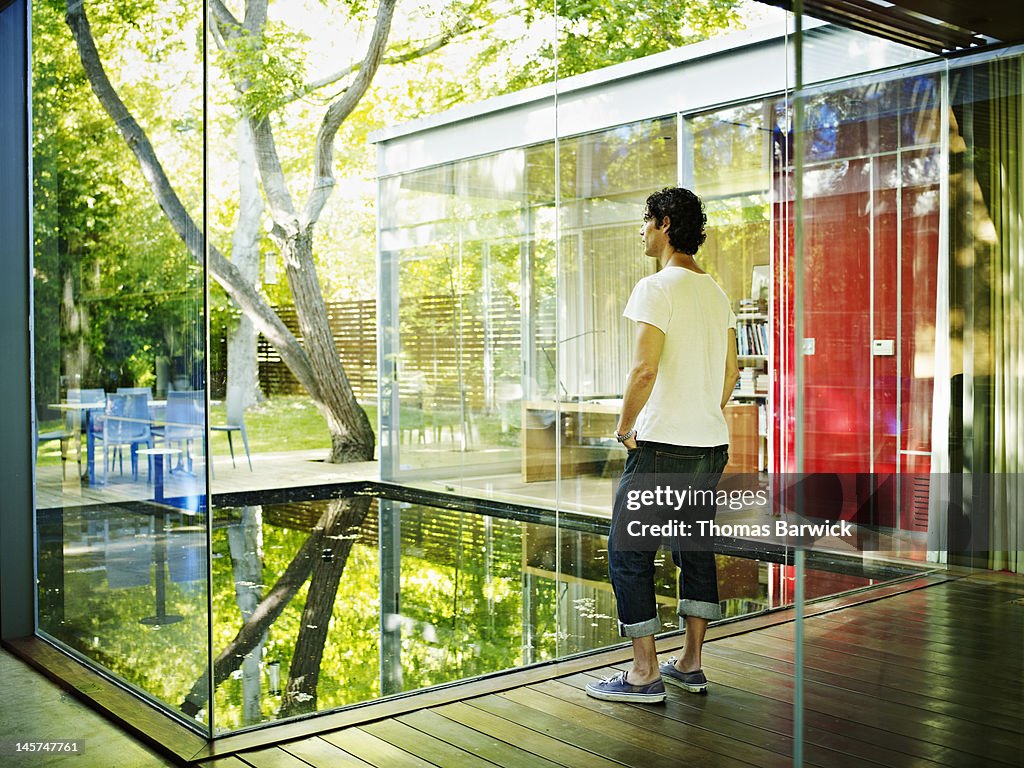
243, 386
245, 541
265, 614
304, 671
352, 437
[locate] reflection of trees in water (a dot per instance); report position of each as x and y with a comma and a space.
342, 519
327, 535
245, 540
461, 607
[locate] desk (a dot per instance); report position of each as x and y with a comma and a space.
585, 438
84, 420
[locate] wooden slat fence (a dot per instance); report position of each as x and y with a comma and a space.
354, 326
451, 348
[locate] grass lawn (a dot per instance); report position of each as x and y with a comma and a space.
282, 423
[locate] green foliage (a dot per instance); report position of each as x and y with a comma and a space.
271, 64
592, 34
112, 281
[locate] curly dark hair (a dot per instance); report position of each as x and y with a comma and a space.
686, 217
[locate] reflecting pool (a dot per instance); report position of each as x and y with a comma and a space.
322, 604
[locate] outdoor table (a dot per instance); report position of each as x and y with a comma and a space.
158, 468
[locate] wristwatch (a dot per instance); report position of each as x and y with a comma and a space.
628, 436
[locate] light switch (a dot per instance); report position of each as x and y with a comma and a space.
882, 347
808, 346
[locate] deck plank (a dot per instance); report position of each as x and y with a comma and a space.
573, 731
480, 744
231, 761
373, 750
905, 655
274, 757
400, 733
651, 739
656, 720
320, 752
538, 744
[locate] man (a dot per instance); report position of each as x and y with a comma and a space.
672, 424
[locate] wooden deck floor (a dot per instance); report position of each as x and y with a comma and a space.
927, 677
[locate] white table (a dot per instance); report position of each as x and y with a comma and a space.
158, 468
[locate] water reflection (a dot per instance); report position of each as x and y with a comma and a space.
318, 605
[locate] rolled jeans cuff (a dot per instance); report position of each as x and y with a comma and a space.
641, 628
700, 609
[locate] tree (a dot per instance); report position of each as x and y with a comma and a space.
314, 363
265, 84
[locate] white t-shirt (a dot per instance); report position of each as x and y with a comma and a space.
685, 406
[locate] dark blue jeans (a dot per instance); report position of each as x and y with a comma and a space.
632, 568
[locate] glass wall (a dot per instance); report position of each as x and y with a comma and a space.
900, 386
120, 345
455, 239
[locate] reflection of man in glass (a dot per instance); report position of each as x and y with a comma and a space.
683, 373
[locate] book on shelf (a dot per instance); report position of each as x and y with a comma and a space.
752, 339
745, 384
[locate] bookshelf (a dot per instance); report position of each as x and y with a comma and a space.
752, 352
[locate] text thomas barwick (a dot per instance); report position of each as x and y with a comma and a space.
741, 530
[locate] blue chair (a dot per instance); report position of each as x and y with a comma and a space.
125, 422
86, 395
136, 391
184, 421
81, 421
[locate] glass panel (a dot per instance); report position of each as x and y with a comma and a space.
868, 389
731, 167
605, 179
985, 313
120, 351
870, 197
458, 250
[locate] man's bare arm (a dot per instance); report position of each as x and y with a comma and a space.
732, 368
650, 341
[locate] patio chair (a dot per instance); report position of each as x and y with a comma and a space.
156, 408
125, 422
240, 428
80, 422
184, 422
64, 435
136, 391
86, 395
